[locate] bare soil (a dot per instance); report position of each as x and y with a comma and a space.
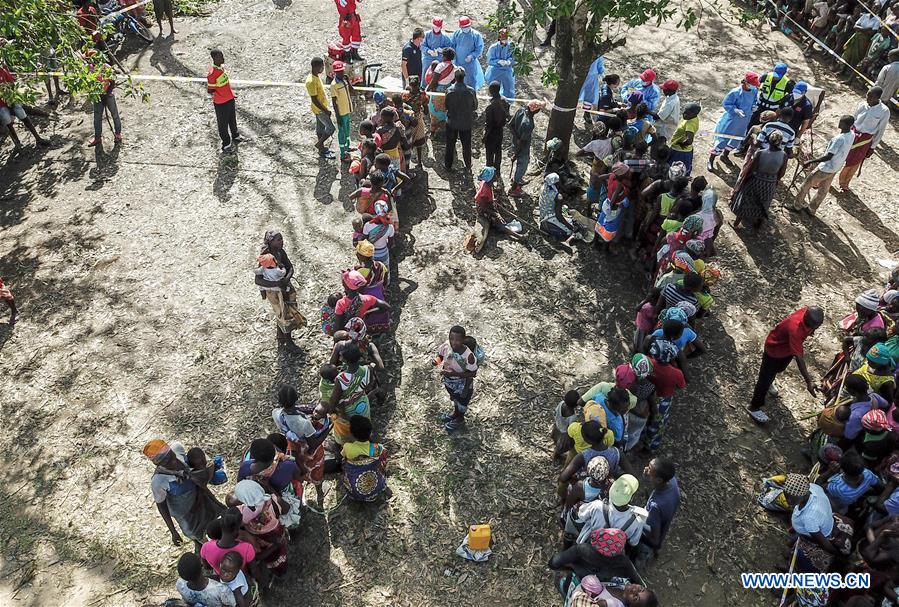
139, 319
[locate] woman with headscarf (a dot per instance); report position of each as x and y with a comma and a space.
305, 434
616, 202
549, 206
355, 334
592, 592
712, 220
284, 298
667, 379
278, 475
823, 535
417, 99
379, 230
867, 315
377, 275
878, 369
488, 212
644, 390
354, 303
179, 494
262, 528
755, 188
350, 394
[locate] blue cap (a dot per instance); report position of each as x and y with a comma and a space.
801, 87
780, 69
379, 97
487, 174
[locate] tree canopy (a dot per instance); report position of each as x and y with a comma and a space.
31, 30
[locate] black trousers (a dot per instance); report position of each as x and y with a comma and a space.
452, 135
770, 369
494, 155
226, 117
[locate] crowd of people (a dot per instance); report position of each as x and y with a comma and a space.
640, 199
843, 511
863, 36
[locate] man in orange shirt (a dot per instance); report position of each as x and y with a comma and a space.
223, 100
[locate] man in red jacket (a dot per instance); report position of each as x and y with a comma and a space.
784, 343
349, 26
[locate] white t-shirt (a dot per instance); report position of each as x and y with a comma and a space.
298, 424
381, 243
240, 583
599, 514
600, 148
839, 146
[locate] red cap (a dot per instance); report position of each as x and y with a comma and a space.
437, 22
464, 21
338, 66
502, 34
648, 75
752, 79
670, 85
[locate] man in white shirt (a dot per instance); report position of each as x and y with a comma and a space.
828, 166
871, 119
888, 78
614, 512
668, 116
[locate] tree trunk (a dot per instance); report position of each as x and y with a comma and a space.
574, 55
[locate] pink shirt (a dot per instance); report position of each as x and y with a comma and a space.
213, 554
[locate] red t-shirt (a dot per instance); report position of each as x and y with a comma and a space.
219, 84
786, 338
666, 379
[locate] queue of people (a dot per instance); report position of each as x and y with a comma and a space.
640, 197
843, 510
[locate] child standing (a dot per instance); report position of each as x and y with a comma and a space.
666, 378
223, 100
458, 366
341, 97
682, 140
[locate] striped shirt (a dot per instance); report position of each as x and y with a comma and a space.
674, 294
785, 129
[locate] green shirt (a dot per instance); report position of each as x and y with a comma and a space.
685, 126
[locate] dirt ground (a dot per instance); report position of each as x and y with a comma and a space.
139, 319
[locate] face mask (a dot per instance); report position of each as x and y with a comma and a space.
436, 30
504, 42
465, 30
797, 95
